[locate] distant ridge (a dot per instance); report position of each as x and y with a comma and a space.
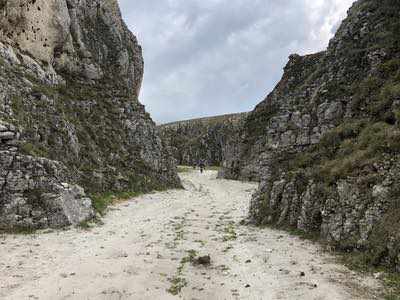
208, 119
207, 139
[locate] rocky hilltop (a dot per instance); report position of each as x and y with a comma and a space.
70, 120
209, 139
326, 142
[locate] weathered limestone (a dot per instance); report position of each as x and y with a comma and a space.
83, 38
208, 139
323, 144
34, 192
70, 119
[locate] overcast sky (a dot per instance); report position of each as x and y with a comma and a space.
211, 57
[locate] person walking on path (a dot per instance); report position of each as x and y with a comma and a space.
202, 166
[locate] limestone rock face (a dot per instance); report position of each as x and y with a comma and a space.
324, 143
70, 120
81, 38
208, 139
34, 192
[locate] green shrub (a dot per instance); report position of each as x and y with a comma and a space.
332, 140
304, 160
369, 87
367, 149
364, 91
332, 170
381, 105
380, 138
392, 284
390, 68
390, 91
33, 150
27, 149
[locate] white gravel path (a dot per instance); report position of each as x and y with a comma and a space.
140, 251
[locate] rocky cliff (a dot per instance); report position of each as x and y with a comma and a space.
325, 143
209, 139
70, 119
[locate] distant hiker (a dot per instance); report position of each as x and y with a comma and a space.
202, 166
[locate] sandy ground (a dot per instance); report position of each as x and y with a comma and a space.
142, 251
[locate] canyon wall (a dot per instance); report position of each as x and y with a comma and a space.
71, 124
325, 143
208, 139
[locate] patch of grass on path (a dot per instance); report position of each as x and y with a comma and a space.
102, 201
229, 232
179, 230
178, 282
184, 169
201, 242
213, 168
19, 231
187, 169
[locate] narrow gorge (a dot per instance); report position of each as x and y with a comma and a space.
207, 139
97, 201
325, 143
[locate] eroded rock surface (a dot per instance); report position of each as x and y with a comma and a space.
324, 143
209, 139
70, 119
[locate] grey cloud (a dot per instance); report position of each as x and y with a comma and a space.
208, 57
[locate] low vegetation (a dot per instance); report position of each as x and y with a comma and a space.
348, 149
178, 282
83, 133
229, 232
366, 139
184, 169
359, 262
187, 169
360, 149
102, 201
213, 168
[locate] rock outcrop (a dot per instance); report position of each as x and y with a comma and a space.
70, 119
209, 139
325, 143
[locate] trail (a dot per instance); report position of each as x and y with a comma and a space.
143, 250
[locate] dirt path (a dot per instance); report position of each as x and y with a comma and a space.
144, 249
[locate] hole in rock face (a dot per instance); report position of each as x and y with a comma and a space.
58, 50
317, 220
390, 119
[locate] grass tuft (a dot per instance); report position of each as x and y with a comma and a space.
229, 232
184, 169
102, 201
178, 282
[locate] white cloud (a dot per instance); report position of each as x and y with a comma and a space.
326, 15
208, 57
